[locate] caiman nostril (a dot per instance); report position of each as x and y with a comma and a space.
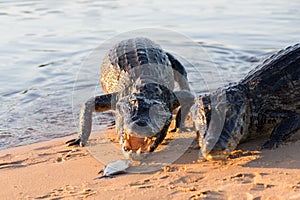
141, 123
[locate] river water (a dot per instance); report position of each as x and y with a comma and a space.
46, 48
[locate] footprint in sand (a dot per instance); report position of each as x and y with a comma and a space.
13, 164
208, 194
69, 191
64, 155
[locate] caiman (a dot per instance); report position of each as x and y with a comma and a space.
138, 77
266, 101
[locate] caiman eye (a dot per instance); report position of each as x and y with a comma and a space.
133, 104
133, 101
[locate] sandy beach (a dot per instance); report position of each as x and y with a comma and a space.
51, 170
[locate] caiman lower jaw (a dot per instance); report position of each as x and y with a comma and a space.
135, 147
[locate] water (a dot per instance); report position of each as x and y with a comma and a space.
44, 44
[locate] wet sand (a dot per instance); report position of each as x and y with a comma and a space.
51, 170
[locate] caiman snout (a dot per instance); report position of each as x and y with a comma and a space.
143, 118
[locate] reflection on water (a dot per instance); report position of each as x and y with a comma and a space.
44, 43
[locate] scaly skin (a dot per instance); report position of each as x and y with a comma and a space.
266, 101
138, 79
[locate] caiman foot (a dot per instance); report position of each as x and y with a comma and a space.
271, 144
75, 142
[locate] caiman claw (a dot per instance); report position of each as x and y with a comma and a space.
75, 142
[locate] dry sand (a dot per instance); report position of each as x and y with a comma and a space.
51, 170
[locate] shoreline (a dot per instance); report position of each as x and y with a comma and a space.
51, 170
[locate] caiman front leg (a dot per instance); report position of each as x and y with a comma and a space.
95, 104
283, 130
184, 96
186, 100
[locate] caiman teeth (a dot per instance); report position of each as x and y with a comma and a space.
139, 151
145, 140
125, 143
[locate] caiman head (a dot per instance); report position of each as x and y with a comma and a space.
143, 118
219, 120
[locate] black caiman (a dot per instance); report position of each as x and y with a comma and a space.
138, 78
266, 101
